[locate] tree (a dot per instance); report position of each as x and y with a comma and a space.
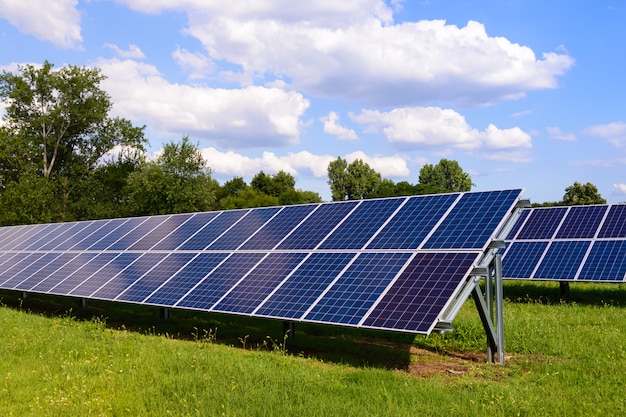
353, 181
447, 174
178, 181
579, 194
57, 128
273, 185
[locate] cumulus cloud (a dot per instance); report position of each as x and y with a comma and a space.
253, 116
440, 130
57, 22
614, 133
619, 188
556, 133
196, 64
388, 166
333, 128
353, 49
133, 51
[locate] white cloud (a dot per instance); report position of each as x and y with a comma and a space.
388, 166
440, 130
56, 21
556, 133
133, 52
619, 188
250, 117
198, 65
353, 49
332, 128
614, 133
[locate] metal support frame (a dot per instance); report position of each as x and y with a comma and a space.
289, 329
485, 305
165, 313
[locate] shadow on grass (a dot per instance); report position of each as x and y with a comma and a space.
550, 292
354, 347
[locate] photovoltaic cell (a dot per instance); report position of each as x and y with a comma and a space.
77, 236
46, 271
472, 220
101, 233
542, 223
213, 230
183, 281
615, 224
279, 227
522, 258
307, 283
258, 284
606, 262
67, 270
241, 231
141, 230
117, 233
36, 238
62, 235
31, 269
562, 260
100, 272
16, 264
358, 229
23, 233
421, 292
197, 222
358, 288
83, 274
315, 228
160, 232
581, 222
149, 282
518, 224
213, 287
414, 221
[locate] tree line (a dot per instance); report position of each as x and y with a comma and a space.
64, 158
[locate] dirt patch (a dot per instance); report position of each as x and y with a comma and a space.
425, 363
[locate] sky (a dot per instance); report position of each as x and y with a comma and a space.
522, 93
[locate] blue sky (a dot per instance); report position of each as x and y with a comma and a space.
522, 93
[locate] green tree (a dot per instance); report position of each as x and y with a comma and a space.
353, 181
446, 174
273, 185
57, 128
579, 194
178, 181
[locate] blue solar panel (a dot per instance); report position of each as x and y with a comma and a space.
414, 221
149, 282
46, 271
64, 272
349, 299
473, 220
128, 276
31, 269
359, 228
82, 274
562, 260
581, 222
521, 259
606, 262
615, 224
307, 283
140, 231
258, 284
169, 226
183, 281
220, 281
99, 273
518, 224
185, 231
315, 228
421, 292
241, 231
213, 230
329, 262
542, 223
279, 227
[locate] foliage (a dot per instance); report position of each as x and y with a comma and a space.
579, 194
388, 188
446, 174
353, 181
177, 182
57, 128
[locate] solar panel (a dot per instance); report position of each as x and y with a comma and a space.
393, 263
577, 243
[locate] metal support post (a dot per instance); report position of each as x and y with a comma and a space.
83, 303
165, 313
289, 329
499, 309
489, 300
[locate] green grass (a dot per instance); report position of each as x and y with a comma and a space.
122, 360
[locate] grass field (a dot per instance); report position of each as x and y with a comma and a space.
563, 358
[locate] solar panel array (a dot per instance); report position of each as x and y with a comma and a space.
390, 263
577, 243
